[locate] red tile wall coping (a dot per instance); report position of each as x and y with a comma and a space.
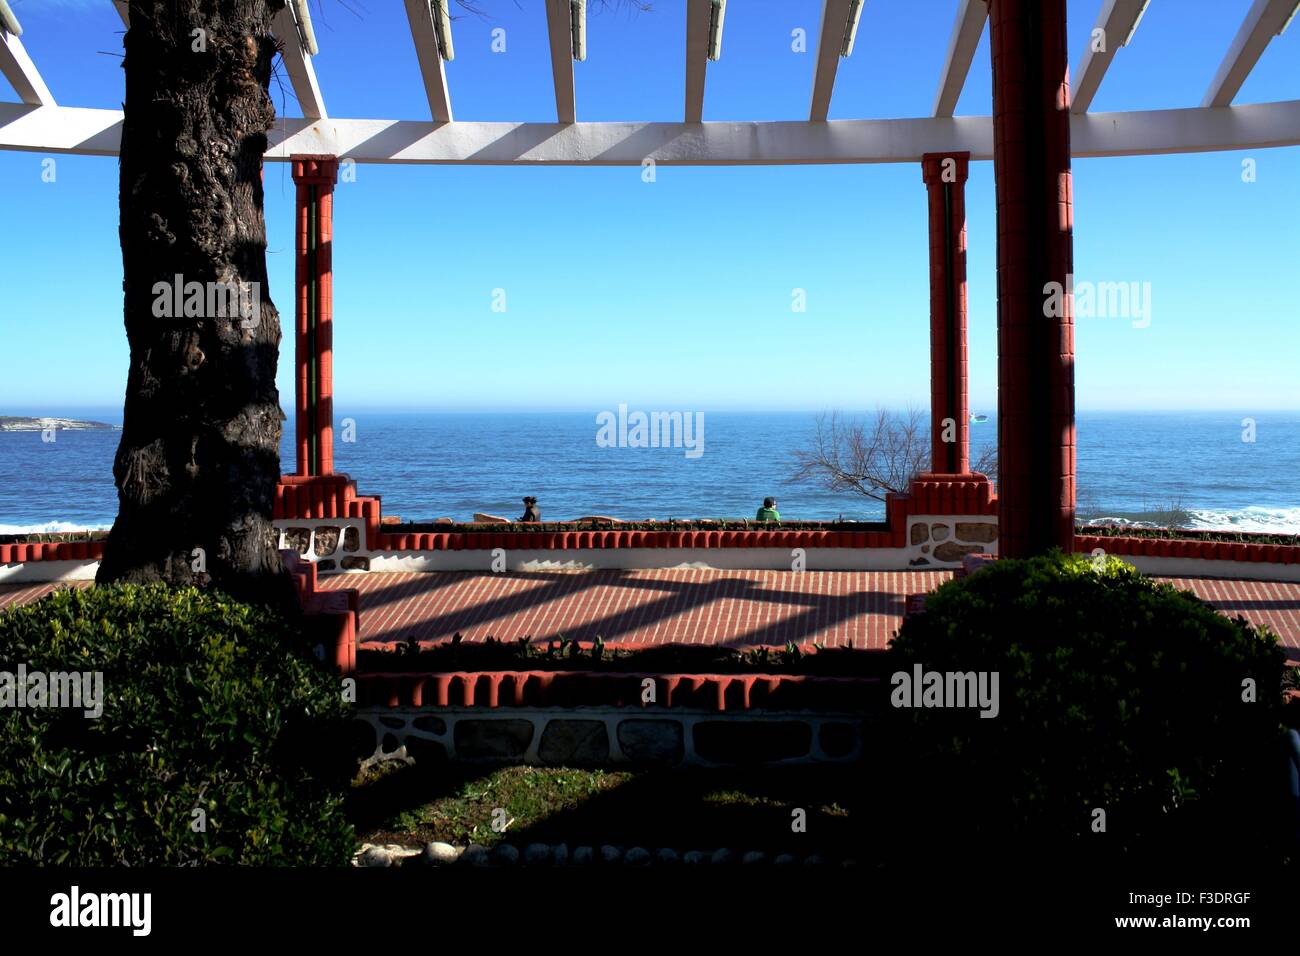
334, 615
719, 692
51, 551
1185, 548
572, 540
325, 496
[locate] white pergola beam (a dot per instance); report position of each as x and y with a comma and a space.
1260, 26
298, 64
59, 129
559, 24
697, 57
966, 32
21, 72
830, 37
1114, 21
426, 50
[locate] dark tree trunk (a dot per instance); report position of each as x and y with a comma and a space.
199, 457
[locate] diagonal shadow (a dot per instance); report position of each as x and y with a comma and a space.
462, 618
834, 609
821, 611
410, 583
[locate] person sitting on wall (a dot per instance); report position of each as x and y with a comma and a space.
768, 512
532, 514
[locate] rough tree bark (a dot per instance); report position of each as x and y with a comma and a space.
199, 456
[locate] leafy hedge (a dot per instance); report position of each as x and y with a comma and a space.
1116, 693
563, 654
208, 704
1183, 534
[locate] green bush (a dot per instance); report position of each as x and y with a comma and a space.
208, 704
1116, 693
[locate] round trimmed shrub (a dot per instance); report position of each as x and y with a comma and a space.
1115, 694
208, 705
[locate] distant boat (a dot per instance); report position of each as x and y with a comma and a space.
979, 418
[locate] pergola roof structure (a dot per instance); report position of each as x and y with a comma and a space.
39, 124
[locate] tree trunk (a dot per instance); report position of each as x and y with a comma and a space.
199, 458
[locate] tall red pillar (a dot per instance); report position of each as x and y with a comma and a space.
1031, 164
315, 177
945, 182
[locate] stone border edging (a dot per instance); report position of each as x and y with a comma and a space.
544, 854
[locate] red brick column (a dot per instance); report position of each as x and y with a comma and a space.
945, 182
314, 340
1031, 163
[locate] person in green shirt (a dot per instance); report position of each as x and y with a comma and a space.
768, 512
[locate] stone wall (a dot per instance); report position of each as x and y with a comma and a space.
606, 736
942, 541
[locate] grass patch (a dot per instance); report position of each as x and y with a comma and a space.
684, 809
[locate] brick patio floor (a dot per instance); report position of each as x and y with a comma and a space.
693, 606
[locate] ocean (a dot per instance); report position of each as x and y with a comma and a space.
1192, 469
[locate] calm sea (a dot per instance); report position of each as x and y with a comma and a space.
1132, 467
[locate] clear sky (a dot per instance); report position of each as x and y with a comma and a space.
677, 294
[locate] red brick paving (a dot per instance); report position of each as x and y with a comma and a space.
690, 606
693, 606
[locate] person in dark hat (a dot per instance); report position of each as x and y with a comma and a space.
532, 513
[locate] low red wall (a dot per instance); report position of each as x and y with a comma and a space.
1188, 548
335, 496
720, 692
51, 551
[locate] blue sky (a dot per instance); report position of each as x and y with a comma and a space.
677, 293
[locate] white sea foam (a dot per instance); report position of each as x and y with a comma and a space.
1246, 520
52, 527
1255, 520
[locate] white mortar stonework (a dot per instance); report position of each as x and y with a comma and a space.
312, 526
928, 533
674, 725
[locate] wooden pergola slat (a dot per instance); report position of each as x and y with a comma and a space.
697, 57
1262, 23
21, 72
559, 26
298, 65
426, 50
830, 37
966, 32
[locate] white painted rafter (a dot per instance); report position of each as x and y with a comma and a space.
1115, 21
966, 32
1262, 23
830, 38
697, 57
559, 26
426, 50
21, 72
297, 62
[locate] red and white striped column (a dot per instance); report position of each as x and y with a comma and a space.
1031, 163
945, 182
315, 177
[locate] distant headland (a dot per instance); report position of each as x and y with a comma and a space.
20, 423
